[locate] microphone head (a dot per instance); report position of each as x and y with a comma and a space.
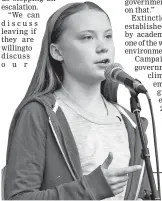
110, 69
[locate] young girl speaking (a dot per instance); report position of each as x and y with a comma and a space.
67, 139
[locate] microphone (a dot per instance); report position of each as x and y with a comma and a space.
116, 73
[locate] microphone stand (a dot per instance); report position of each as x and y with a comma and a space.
136, 108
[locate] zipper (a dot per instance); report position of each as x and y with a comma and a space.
63, 154
140, 180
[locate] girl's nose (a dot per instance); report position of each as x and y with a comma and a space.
101, 47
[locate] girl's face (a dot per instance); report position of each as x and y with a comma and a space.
86, 46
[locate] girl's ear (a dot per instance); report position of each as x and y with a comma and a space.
55, 52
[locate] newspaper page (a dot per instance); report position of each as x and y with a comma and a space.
137, 36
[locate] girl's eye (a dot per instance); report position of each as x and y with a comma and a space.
87, 38
109, 36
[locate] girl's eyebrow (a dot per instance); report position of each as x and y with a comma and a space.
93, 31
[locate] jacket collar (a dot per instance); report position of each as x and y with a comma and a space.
135, 149
69, 143
65, 136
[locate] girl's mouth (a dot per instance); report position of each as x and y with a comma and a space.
103, 61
